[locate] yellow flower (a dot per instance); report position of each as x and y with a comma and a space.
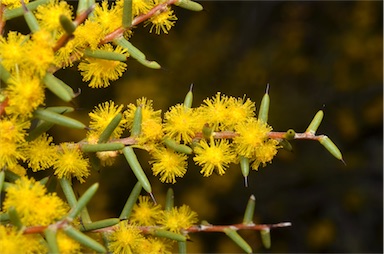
215, 111
238, 111
40, 153
12, 52
151, 126
163, 21
178, 218
25, 94
12, 241
11, 4
17, 169
102, 115
154, 245
126, 239
216, 155
39, 53
108, 19
145, 213
12, 140
168, 164
49, 14
181, 123
251, 135
71, 163
66, 244
101, 71
265, 153
33, 204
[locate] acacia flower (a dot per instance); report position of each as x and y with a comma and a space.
39, 53
239, 110
67, 244
265, 153
109, 19
40, 153
126, 239
102, 115
11, 4
215, 155
163, 21
151, 126
251, 135
25, 93
168, 164
178, 218
12, 52
100, 71
12, 140
71, 163
145, 213
49, 14
154, 245
33, 204
138, 6
215, 111
11, 241
181, 123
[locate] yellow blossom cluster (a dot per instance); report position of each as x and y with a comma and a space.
128, 239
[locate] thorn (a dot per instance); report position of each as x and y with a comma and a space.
190, 88
153, 198
78, 93
267, 89
246, 181
345, 164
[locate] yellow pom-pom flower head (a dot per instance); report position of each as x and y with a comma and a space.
215, 155
168, 164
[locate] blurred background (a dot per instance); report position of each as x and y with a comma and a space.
315, 55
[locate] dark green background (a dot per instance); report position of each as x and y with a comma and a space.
315, 55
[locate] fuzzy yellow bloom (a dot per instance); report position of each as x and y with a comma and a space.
145, 212
12, 140
12, 241
178, 218
163, 21
39, 53
181, 123
238, 111
66, 244
100, 71
168, 164
251, 135
11, 4
265, 153
49, 14
12, 52
215, 111
40, 153
71, 163
126, 239
33, 204
154, 245
151, 125
218, 154
109, 19
25, 93
102, 115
